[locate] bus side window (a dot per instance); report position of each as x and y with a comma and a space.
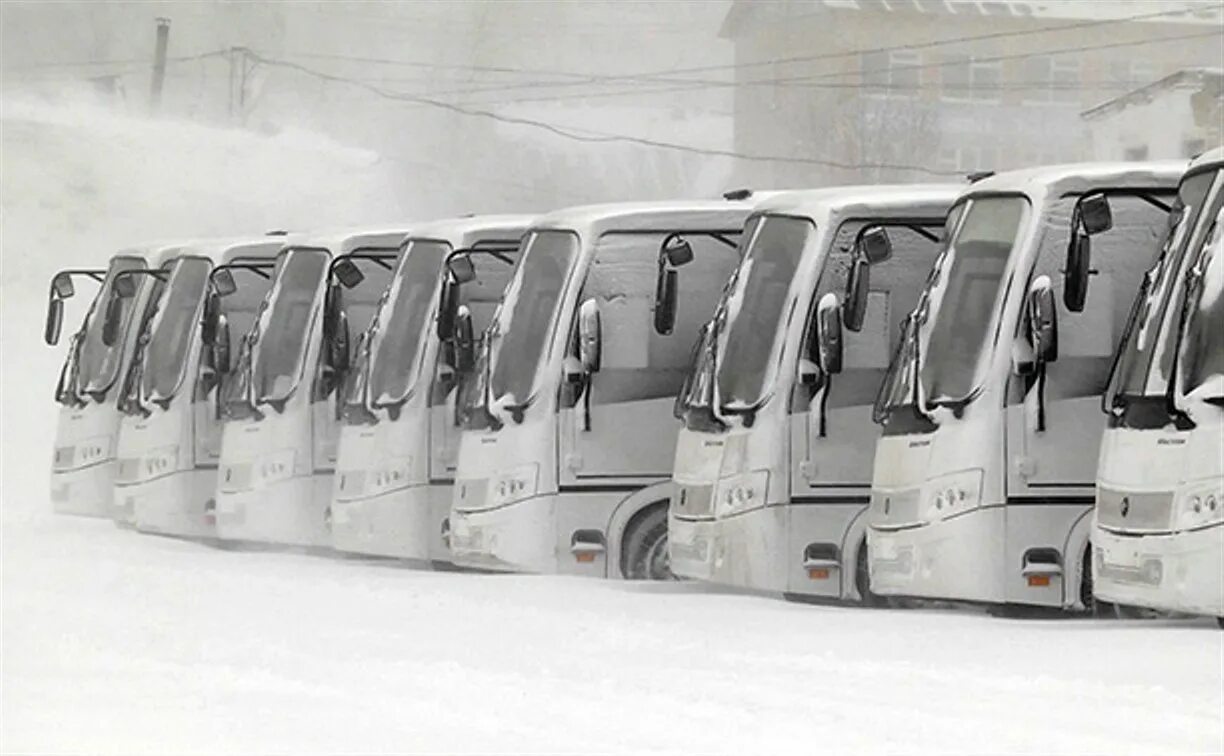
621, 279
1120, 257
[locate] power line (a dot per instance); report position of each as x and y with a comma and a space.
142, 62
669, 76
815, 81
585, 135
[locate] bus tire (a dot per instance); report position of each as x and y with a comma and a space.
645, 550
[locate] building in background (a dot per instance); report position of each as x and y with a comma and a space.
1179, 116
902, 89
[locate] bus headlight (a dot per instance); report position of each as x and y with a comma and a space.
515, 485
741, 492
951, 494
160, 462
1200, 504
275, 467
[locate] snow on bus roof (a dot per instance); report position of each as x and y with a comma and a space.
1077, 178
458, 231
343, 241
1213, 156
674, 215
865, 200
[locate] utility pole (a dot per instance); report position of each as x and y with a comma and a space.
159, 63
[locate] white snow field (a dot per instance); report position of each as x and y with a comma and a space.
114, 642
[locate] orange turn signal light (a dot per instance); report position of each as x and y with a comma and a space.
818, 573
585, 556
1038, 581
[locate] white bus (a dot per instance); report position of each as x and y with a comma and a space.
566, 454
86, 434
399, 435
773, 465
278, 440
170, 431
1159, 526
984, 474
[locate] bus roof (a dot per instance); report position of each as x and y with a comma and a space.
343, 241
864, 201
465, 231
679, 215
1212, 157
1079, 178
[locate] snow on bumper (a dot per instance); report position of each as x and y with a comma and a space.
740, 551
181, 504
401, 523
955, 558
1181, 572
516, 537
84, 491
285, 512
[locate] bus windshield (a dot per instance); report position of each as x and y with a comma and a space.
519, 335
1145, 360
399, 332
755, 309
284, 326
170, 332
963, 297
98, 364
1201, 357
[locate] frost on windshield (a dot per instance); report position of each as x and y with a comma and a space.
285, 324
965, 296
98, 364
1202, 351
172, 328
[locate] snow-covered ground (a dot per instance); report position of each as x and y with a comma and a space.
113, 642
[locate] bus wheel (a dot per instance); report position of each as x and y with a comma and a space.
645, 547
1220, 622
862, 578
1093, 606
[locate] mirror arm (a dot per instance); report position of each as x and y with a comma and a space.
724, 240
924, 233
1151, 199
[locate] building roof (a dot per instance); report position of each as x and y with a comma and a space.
1202, 78
1199, 12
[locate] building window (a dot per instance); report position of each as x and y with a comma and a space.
893, 73
967, 79
1048, 79
1135, 153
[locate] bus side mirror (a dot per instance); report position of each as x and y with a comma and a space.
210, 318
448, 307
829, 334
1075, 278
461, 268
61, 285
589, 336
854, 311
221, 346
464, 341
335, 329
223, 282
1095, 214
676, 250
1042, 321
873, 244
666, 290
55, 321
347, 273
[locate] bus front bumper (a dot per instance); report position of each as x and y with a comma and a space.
1182, 572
